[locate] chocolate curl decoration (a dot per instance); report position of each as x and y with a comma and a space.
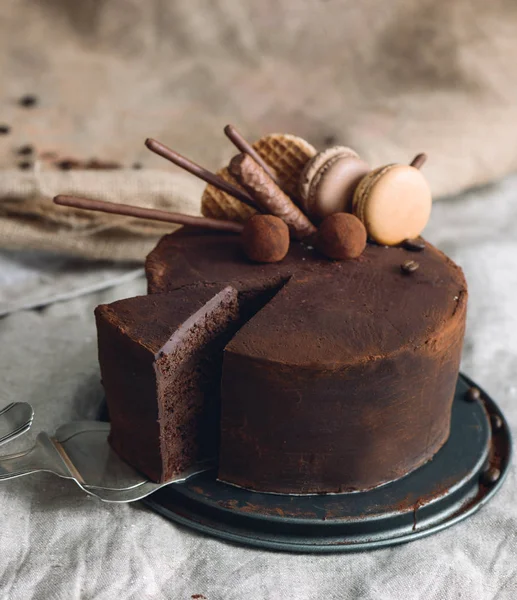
419, 160
269, 197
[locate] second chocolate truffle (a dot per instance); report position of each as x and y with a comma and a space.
341, 236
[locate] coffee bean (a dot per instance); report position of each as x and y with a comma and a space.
409, 266
473, 394
4, 129
416, 245
28, 100
24, 165
490, 476
496, 421
25, 150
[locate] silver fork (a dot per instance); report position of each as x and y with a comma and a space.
15, 419
80, 452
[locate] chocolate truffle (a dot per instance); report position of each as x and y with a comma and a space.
341, 236
265, 238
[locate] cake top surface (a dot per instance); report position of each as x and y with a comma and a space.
327, 312
189, 257
355, 311
151, 321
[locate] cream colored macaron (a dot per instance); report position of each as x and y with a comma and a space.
328, 182
394, 203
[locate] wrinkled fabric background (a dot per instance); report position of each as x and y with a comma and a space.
389, 79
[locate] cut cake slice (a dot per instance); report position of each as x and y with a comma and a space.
161, 359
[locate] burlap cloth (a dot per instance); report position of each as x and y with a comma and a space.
29, 218
388, 78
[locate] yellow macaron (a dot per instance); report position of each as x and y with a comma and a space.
394, 203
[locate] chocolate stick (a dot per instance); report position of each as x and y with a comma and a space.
244, 146
148, 213
419, 160
199, 171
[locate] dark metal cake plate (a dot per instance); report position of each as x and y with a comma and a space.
461, 478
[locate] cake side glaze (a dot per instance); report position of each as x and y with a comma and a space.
298, 425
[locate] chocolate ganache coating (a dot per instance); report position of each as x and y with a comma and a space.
344, 380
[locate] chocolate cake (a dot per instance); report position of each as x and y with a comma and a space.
344, 380
327, 364
160, 359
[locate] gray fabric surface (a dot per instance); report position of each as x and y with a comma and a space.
32, 279
55, 542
